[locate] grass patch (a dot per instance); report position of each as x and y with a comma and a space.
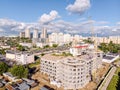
117, 71
117, 60
34, 64
62, 54
113, 82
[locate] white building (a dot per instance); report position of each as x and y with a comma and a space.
60, 38
27, 33
22, 34
67, 38
29, 45
53, 37
71, 72
5, 46
35, 33
20, 57
78, 49
44, 33
110, 57
114, 39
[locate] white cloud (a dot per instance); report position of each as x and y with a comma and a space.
8, 27
1, 30
118, 23
46, 18
79, 6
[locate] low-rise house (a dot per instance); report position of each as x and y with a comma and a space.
1, 84
29, 45
31, 83
110, 57
21, 86
9, 76
5, 46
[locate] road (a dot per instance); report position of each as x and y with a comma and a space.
107, 79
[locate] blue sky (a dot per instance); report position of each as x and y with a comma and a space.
69, 16
31, 10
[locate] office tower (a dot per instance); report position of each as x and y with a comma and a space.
44, 33
35, 33
27, 33
22, 34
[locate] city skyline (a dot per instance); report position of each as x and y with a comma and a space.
17, 15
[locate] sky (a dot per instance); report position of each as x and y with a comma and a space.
31, 10
74, 11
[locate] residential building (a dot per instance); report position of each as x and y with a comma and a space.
35, 34
29, 45
9, 76
44, 33
114, 39
71, 72
27, 33
22, 34
20, 57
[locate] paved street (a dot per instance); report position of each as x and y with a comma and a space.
107, 79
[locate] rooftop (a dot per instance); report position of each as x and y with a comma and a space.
69, 59
53, 57
18, 52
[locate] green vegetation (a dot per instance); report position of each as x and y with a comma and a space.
12, 42
27, 40
46, 46
42, 54
117, 71
111, 47
2, 51
21, 48
34, 64
54, 45
118, 82
62, 54
88, 41
115, 81
3, 67
117, 60
19, 71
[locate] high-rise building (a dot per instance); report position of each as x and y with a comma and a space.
27, 33
22, 34
44, 33
35, 33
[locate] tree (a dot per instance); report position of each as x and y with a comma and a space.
88, 41
46, 46
21, 48
110, 47
2, 51
19, 71
118, 82
54, 45
3, 67
42, 54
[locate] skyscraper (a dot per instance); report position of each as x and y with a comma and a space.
44, 33
22, 34
35, 33
27, 33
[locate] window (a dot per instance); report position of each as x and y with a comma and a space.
74, 69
